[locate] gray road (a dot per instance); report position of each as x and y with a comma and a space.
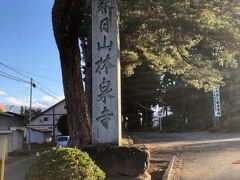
16, 167
202, 156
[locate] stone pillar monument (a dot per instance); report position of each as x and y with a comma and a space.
106, 105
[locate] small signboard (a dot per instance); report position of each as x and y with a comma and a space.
216, 101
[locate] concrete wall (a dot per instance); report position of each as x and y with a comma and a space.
39, 137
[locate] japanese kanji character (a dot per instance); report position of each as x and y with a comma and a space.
104, 64
105, 90
105, 117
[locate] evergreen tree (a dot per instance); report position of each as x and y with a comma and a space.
139, 90
230, 101
25, 112
195, 39
192, 109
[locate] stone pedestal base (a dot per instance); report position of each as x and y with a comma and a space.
120, 161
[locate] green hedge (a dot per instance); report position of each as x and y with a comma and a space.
64, 164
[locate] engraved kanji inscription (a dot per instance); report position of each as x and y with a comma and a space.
104, 65
105, 45
105, 91
105, 25
105, 117
104, 6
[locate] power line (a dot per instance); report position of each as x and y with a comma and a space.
40, 76
44, 91
14, 70
27, 72
8, 76
11, 76
43, 87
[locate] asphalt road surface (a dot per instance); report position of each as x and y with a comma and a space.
201, 156
16, 167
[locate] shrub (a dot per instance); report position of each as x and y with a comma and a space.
64, 164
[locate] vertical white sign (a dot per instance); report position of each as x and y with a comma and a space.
216, 101
106, 110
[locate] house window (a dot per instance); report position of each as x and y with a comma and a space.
46, 119
40, 120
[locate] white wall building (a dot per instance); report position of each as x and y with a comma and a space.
11, 129
44, 126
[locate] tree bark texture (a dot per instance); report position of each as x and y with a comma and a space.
66, 19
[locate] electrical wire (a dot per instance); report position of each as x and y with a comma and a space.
8, 76
44, 91
43, 87
14, 70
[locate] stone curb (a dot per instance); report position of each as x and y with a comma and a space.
168, 173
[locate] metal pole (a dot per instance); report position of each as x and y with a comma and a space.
30, 117
160, 123
54, 124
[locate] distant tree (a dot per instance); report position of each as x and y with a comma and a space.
139, 89
63, 125
25, 112
192, 108
230, 101
194, 39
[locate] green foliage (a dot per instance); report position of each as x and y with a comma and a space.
25, 112
192, 109
140, 88
230, 101
194, 39
64, 164
62, 125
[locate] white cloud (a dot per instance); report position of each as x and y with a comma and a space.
2, 93
50, 100
43, 103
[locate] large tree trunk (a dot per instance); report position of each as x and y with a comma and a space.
66, 18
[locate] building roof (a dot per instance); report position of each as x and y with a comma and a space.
6, 114
5, 132
15, 114
47, 110
143, 108
38, 130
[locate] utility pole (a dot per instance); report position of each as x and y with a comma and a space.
30, 115
53, 124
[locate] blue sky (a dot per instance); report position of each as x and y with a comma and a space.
27, 44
